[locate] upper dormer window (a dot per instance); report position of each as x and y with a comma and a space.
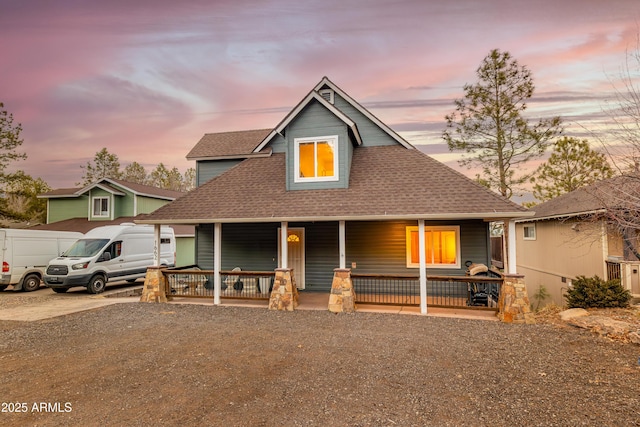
327, 94
100, 206
316, 159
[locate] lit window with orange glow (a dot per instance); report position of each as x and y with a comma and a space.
442, 247
316, 159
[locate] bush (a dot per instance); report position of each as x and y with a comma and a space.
594, 292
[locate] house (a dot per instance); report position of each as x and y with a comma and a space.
572, 235
111, 201
331, 186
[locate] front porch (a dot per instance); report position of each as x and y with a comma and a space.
319, 300
462, 292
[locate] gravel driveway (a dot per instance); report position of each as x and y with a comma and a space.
157, 364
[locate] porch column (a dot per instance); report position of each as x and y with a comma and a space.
217, 261
284, 247
511, 246
422, 253
156, 245
343, 246
155, 283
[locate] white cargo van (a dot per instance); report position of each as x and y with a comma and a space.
25, 254
111, 252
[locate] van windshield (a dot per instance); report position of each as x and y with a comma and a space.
85, 248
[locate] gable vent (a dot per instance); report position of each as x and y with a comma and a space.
327, 94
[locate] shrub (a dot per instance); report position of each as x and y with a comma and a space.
594, 292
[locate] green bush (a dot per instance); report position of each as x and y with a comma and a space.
594, 292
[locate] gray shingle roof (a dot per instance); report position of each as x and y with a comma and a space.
227, 144
610, 193
386, 182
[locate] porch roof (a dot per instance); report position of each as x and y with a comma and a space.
387, 182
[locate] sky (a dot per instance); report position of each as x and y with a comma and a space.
146, 79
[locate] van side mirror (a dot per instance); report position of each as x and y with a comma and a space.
106, 256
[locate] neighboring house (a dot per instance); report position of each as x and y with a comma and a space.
112, 201
340, 189
570, 236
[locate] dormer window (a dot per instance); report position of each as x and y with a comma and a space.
327, 94
101, 206
316, 159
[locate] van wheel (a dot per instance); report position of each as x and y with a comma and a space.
31, 283
97, 284
60, 290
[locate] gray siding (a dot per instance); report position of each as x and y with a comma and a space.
380, 247
316, 120
208, 169
321, 253
374, 247
371, 134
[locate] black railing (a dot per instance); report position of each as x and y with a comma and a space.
386, 289
195, 283
442, 291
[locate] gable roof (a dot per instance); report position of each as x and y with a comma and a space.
386, 182
591, 199
111, 185
229, 145
314, 95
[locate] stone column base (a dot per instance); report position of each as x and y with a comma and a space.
155, 286
284, 296
514, 301
343, 297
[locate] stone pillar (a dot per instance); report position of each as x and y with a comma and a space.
155, 286
343, 297
284, 295
514, 301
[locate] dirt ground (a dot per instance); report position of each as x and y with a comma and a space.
158, 364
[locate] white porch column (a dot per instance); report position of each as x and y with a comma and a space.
284, 247
343, 246
422, 253
511, 246
156, 245
217, 262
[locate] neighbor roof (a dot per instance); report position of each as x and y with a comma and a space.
108, 185
589, 199
386, 182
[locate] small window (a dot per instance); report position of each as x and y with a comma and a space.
101, 206
316, 159
530, 232
442, 247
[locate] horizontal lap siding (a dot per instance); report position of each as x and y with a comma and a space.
374, 247
209, 169
380, 247
316, 120
321, 253
251, 247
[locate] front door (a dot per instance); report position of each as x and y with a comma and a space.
295, 252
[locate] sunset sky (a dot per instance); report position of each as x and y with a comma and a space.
146, 79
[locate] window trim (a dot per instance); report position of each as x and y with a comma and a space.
100, 214
530, 227
412, 228
296, 163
